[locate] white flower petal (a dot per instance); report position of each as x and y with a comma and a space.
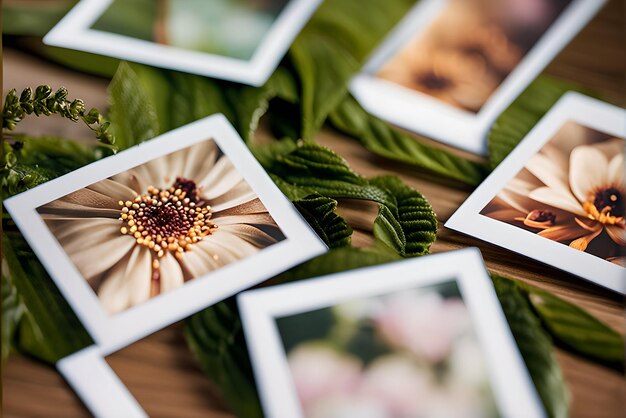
588, 171
239, 194
559, 199
171, 273
251, 234
198, 264
93, 258
100, 233
200, 160
222, 178
247, 207
113, 189
252, 219
616, 172
129, 283
63, 230
547, 170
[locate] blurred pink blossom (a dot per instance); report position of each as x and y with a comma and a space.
320, 371
425, 324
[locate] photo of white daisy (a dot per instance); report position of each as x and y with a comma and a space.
572, 191
150, 229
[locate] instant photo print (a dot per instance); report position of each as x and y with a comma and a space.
421, 337
194, 36
147, 237
451, 67
559, 196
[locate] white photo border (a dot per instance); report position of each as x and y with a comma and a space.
574, 107
113, 332
512, 386
74, 32
426, 115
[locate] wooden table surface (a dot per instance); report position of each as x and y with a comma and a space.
161, 372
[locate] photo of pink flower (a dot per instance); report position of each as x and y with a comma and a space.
410, 353
468, 50
149, 230
572, 191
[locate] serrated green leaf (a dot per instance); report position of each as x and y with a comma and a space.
535, 346
523, 114
577, 330
50, 330
381, 139
318, 168
413, 227
319, 212
216, 338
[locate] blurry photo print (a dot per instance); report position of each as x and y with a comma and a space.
411, 353
559, 197
465, 61
237, 40
421, 337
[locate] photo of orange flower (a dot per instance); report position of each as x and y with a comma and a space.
470, 48
152, 228
572, 191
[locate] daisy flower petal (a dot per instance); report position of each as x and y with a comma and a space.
559, 199
588, 171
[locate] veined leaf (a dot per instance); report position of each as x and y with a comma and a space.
523, 114
381, 139
576, 329
51, 330
410, 231
535, 346
319, 212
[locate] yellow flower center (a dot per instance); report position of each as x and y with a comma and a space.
607, 206
167, 220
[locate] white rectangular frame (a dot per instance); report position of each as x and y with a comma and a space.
74, 32
467, 219
426, 115
513, 389
112, 332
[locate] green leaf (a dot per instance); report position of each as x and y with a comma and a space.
164, 100
50, 330
576, 329
413, 228
535, 346
39, 159
319, 212
13, 309
523, 114
216, 338
331, 48
381, 139
318, 168
136, 105
30, 18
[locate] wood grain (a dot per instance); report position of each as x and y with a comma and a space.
161, 372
